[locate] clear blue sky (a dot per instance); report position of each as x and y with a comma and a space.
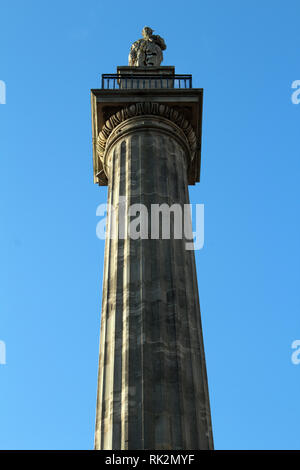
245, 55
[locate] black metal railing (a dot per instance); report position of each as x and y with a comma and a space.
114, 81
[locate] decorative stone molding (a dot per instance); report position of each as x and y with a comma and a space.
145, 126
147, 109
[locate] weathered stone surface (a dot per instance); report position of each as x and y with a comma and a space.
152, 386
146, 109
105, 103
138, 78
147, 52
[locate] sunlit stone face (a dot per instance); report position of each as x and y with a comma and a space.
152, 54
148, 50
147, 32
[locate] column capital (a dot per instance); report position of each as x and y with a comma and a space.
147, 115
113, 97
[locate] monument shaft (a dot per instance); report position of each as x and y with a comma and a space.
152, 385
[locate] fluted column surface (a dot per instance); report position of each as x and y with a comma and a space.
152, 385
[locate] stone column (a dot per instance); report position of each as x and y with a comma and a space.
152, 386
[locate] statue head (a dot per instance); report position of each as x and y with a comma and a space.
147, 32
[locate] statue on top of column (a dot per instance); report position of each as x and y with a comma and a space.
147, 52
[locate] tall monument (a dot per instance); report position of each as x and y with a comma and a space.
152, 382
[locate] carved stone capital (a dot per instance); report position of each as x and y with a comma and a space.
184, 127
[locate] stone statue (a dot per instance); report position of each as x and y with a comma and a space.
147, 52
